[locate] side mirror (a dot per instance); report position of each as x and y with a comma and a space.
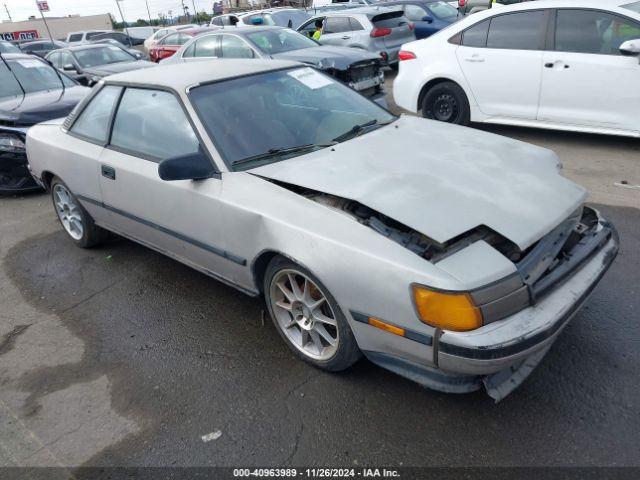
69, 68
186, 167
427, 19
630, 47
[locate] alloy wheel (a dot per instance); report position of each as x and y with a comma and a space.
304, 314
68, 211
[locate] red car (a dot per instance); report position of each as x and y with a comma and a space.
170, 44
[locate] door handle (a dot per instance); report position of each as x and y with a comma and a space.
346, 37
474, 59
551, 65
108, 172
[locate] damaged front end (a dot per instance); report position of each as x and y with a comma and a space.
14, 172
522, 314
365, 77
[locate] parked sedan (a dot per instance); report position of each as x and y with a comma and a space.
89, 63
41, 47
546, 64
32, 91
456, 265
359, 69
153, 40
428, 16
7, 47
378, 30
170, 44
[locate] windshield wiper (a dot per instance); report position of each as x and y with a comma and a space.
279, 151
359, 129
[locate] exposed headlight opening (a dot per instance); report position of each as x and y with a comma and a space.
10, 142
454, 311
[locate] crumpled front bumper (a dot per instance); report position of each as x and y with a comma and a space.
501, 354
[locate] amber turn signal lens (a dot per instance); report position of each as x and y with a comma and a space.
449, 311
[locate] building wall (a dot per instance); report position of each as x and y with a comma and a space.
60, 26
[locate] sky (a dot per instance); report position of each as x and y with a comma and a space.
132, 9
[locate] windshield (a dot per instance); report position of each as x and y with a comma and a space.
34, 76
6, 47
442, 10
268, 112
92, 57
278, 41
634, 7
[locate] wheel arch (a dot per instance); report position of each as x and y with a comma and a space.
435, 81
47, 177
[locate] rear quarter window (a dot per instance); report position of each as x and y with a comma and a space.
76, 37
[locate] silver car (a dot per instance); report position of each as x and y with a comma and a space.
378, 30
453, 257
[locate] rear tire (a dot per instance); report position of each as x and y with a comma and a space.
307, 317
446, 102
75, 220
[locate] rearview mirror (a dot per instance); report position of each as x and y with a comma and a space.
68, 67
630, 47
186, 167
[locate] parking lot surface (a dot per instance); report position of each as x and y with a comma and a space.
121, 356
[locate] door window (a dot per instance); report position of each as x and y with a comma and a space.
591, 31
66, 59
206, 47
234, 47
76, 37
337, 25
171, 39
310, 27
54, 58
151, 124
93, 122
414, 13
518, 31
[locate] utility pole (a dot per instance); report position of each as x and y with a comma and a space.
8, 14
148, 12
124, 24
195, 12
185, 9
170, 12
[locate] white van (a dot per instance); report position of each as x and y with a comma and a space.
75, 38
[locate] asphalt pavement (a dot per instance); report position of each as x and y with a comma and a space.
120, 356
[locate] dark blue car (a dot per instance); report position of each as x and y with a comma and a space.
428, 16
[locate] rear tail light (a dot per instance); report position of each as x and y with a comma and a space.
380, 32
405, 55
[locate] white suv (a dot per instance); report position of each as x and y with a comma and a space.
569, 65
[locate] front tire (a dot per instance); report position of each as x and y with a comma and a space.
446, 102
75, 220
307, 317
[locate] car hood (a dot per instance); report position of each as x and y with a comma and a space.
110, 69
38, 107
442, 180
327, 57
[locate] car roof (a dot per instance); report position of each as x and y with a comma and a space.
196, 30
85, 46
19, 56
369, 11
247, 29
598, 4
180, 76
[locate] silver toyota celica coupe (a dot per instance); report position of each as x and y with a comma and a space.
451, 256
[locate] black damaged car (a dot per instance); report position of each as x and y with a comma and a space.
31, 91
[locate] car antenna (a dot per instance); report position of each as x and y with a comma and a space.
24, 93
